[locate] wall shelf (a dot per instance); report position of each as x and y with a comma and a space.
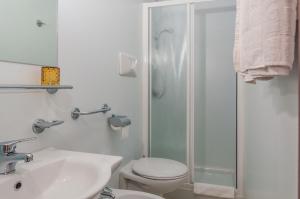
49, 89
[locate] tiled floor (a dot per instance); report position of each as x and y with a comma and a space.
185, 195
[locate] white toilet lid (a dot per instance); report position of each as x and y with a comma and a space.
159, 169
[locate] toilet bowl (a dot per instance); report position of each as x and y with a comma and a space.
126, 194
153, 175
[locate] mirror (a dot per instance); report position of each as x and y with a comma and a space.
29, 31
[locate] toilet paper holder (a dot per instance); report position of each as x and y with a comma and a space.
119, 121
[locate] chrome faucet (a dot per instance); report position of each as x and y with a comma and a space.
9, 157
107, 193
40, 125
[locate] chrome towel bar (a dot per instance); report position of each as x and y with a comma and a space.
76, 111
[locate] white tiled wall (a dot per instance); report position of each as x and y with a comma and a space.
91, 34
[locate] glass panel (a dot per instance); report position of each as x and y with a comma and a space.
215, 94
168, 63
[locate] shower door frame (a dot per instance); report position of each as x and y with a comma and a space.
146, 82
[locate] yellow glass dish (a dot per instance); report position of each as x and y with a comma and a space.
50, 76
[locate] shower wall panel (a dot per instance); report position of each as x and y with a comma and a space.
215, 96
168, 66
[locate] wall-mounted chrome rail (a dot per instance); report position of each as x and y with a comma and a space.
76, 111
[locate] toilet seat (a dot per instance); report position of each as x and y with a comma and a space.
159, 169
129, 179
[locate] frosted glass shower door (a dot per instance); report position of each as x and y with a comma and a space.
168, 82
215, 93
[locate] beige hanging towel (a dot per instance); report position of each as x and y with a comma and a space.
265, 38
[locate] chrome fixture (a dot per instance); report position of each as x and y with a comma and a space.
119, 121
107, 193
9, 157
40, 23
76, 112
40, 125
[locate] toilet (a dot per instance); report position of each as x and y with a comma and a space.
153, 175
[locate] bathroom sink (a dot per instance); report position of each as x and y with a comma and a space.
59, 174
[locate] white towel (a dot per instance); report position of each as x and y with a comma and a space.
265, 38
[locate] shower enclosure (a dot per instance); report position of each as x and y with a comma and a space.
190, 87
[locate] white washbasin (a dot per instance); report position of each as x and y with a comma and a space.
59, 174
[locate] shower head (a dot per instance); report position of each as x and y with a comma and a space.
166, 30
